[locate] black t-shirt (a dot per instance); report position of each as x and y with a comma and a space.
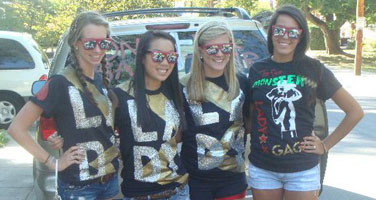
281, 116
213, 144
81, 123
151, 156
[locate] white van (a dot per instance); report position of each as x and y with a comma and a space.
22, 62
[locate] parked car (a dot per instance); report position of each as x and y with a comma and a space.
182, 24
22, 62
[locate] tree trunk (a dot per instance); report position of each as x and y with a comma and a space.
331, 36
332, 42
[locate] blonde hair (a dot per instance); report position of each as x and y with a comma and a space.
196, 79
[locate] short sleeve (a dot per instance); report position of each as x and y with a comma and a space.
328, 84
49, 97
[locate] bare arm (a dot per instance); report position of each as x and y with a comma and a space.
354, 114
19, 130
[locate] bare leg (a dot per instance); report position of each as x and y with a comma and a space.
275, 194
306, 195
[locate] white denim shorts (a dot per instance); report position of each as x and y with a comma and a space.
307, 180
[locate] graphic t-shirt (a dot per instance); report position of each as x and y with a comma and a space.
213, 144
281, 116
81, 123
151, 156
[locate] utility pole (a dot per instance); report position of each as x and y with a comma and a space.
360, 22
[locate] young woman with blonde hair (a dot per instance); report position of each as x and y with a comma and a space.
213, 144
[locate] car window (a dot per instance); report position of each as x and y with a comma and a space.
14, 56
121, 58
41, 52
250, 47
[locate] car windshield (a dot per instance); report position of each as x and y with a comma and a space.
250, 47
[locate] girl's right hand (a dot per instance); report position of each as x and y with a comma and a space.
74, 155
55, 141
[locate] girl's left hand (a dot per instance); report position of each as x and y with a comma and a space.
312, 144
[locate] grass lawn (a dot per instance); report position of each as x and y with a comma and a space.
368, 62
3, 137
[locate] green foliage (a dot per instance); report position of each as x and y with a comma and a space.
317, 38
249, 5
3, 138
369, 44
336, 12
47, 20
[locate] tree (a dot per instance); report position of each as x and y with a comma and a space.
330, 15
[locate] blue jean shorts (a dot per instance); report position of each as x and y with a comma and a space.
307, 180
89, 192
181, 194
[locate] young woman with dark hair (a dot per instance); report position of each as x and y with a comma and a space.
213, 144
284, 158
82, 107
150, 119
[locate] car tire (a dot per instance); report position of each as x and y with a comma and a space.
10, 105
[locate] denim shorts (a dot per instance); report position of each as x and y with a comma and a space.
181, 194
307, 180
91, 191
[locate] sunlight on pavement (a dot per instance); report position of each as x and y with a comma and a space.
16, 155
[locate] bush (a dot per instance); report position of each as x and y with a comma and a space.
317, 39
3, 138
369, 44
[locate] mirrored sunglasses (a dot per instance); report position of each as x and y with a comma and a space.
213, 49
159, 56
280, 31
91, 43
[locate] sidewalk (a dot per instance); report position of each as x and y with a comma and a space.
16, 177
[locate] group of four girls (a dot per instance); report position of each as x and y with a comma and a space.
170, 128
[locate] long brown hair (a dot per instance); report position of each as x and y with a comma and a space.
75, 34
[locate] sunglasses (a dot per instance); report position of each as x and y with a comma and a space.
159, 56
91, 43
280, 31
213, 49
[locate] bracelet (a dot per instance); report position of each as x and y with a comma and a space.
48, 157
50, 162
324, 147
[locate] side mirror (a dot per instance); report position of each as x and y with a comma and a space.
37, 85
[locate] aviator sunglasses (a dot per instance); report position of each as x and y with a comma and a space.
159, 56
280, 31
91, 43
213, 49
